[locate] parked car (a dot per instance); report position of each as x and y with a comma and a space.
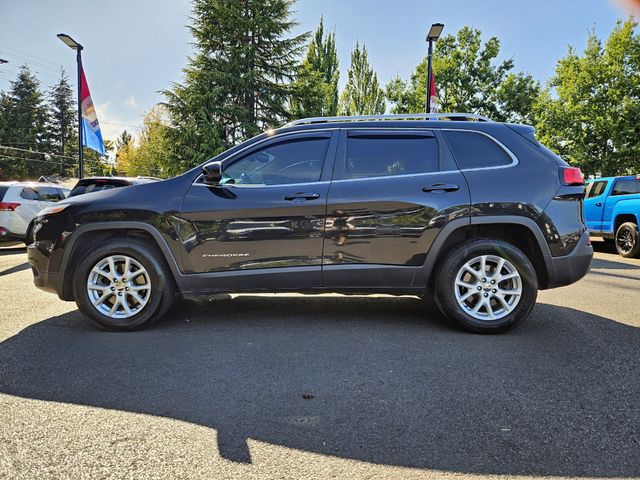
20, 202
612, 211
97, 184
474, 213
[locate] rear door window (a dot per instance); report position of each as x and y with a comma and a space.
626, 186
475, 150
596, 189
29, 193
382, 154
49, 194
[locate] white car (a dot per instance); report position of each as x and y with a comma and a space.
20, 202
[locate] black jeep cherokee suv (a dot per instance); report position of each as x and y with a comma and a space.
475, 213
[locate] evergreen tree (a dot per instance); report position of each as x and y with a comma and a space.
316, 88
62, 123
362, 94
238, 81
24, 118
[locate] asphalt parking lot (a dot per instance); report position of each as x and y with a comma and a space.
291, 386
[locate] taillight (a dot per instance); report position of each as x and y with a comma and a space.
8, 206
571, 176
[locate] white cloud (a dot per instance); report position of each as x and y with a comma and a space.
112, 125
130, 102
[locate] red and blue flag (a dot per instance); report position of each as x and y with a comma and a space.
91, 134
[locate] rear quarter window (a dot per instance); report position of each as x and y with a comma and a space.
475, 150
626, 186
3, 191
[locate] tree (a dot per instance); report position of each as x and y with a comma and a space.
62, 122
148, 158
362, 94
238, 81
590, 111
468, 79
124, 151
23, 119
316, 87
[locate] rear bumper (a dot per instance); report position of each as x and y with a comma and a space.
570, 268
7, 235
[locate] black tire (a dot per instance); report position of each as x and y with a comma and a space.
162, 293
627, 240
445, 286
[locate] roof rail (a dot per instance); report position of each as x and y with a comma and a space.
402, 116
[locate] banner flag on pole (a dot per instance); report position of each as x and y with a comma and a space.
433, 94
91, 134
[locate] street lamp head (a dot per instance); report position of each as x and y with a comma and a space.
69, 41
435, 31
2, 60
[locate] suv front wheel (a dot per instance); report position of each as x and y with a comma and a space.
124, 284
486, 286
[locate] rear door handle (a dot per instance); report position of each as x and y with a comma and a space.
441, 187
598, 204
302, 196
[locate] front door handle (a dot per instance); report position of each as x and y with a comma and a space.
441, 187
302, 196
598, 204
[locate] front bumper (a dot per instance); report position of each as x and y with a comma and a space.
568, 269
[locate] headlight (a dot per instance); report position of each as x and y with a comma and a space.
53, 209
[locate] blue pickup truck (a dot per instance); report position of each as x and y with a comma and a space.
612, 211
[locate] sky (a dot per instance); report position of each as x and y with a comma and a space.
133, 49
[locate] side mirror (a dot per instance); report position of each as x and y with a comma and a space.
212, 172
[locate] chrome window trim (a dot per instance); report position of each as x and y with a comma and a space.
514, 159
258, 185
440, 172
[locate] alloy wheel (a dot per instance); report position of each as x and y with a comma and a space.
119, 286
488, 287
625, 240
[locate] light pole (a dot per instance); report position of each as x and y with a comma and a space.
432, 36
78, 48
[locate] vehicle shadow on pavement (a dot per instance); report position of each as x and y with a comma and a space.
359, 377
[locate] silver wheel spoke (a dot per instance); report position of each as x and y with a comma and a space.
467, 295
101, 299
468, 285
504, 303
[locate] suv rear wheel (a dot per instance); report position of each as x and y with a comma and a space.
486, 286
123, 285
627, 240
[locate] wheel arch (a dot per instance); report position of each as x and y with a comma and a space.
89, 235
621, 218
522, 232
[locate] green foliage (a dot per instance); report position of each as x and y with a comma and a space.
62, 123
148, 158
362, 94
590, 112
316, 87
23, 117
468, 79
238, 82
